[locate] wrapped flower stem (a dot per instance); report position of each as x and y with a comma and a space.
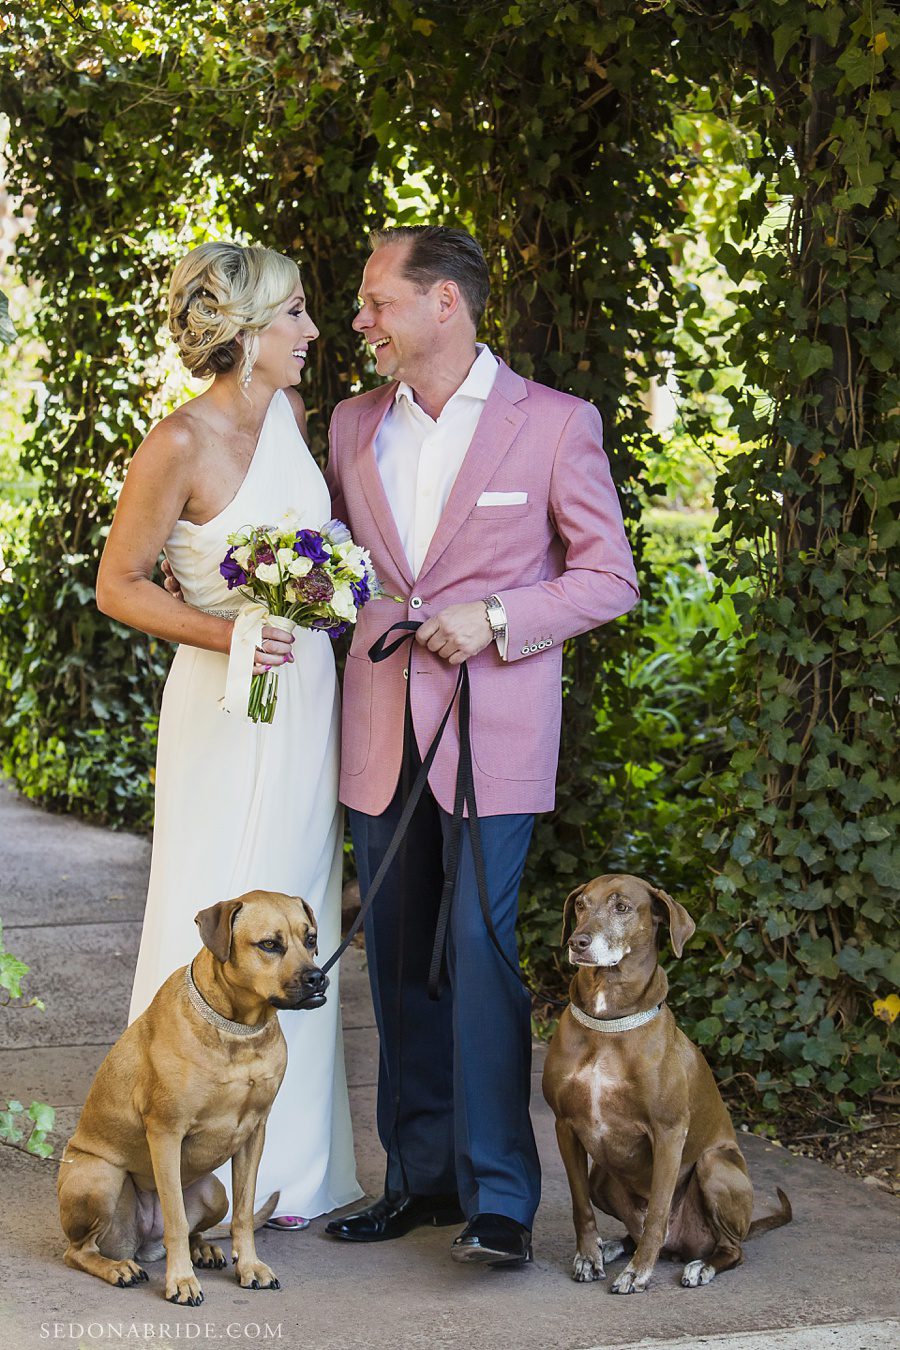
264, 688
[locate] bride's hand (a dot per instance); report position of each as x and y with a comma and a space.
276, 644
274, 650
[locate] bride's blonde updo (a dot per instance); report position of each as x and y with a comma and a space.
219, 291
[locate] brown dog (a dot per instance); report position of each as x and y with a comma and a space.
182, 1091
640, 1100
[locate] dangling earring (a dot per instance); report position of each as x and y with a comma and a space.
247, 377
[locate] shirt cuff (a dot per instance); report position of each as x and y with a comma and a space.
502, 639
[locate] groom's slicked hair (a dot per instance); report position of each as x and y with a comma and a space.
440, 253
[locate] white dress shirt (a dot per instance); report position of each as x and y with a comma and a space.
419, 458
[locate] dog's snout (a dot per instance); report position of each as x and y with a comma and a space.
579, 942
316, 981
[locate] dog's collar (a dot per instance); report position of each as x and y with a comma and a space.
611, 1024
214, 1018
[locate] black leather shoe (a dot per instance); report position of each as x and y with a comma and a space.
493, 1240
388, 1219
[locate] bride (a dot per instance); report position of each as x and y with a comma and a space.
239, 805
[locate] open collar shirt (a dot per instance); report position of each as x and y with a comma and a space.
419, 458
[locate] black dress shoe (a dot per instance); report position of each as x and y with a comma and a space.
388, 1219
493, 1240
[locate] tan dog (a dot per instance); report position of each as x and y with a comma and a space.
641, 1101
180, 1093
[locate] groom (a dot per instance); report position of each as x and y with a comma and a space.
487, 504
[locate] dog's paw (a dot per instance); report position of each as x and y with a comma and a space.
630, 1282
207, 1257
256, 1275
696, 1273
614, 1249
588, 1266
184, 1290
126, 1274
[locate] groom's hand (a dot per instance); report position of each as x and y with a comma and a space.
458, 632
170, 581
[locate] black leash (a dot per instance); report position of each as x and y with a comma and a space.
464, 797
380, 651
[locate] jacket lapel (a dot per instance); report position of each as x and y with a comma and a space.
496, 430
371, 482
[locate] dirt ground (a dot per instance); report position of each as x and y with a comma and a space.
871, 1150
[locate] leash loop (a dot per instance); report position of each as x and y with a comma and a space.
381, 650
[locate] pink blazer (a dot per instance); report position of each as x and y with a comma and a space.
559, 561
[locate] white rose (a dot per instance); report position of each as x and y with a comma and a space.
242, 557
269, 573
285, 556
343, 604
298, 567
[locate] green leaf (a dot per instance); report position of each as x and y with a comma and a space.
810, 357
783, 39
43, 1116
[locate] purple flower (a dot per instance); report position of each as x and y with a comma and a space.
360, 591
265, 555
308, 544
316, 588
332, 628
232, 571
336, 532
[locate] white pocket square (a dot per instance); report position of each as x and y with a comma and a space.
502, 498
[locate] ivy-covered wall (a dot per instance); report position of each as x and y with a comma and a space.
557, 133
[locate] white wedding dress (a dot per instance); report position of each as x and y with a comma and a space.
241, 806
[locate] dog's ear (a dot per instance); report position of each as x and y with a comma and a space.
681, 925
308, 910
215, 926
569, 914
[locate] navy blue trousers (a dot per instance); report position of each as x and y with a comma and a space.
454, 1076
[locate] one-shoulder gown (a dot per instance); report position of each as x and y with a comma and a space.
241, 806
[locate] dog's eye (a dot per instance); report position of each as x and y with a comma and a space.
312, 940
620, 907
269, 945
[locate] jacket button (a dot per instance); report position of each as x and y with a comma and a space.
524, 651
416, 602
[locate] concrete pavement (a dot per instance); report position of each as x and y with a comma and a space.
71, 900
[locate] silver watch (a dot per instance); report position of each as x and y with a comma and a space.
496, 615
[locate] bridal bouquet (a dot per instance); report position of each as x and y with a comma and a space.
304, 578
